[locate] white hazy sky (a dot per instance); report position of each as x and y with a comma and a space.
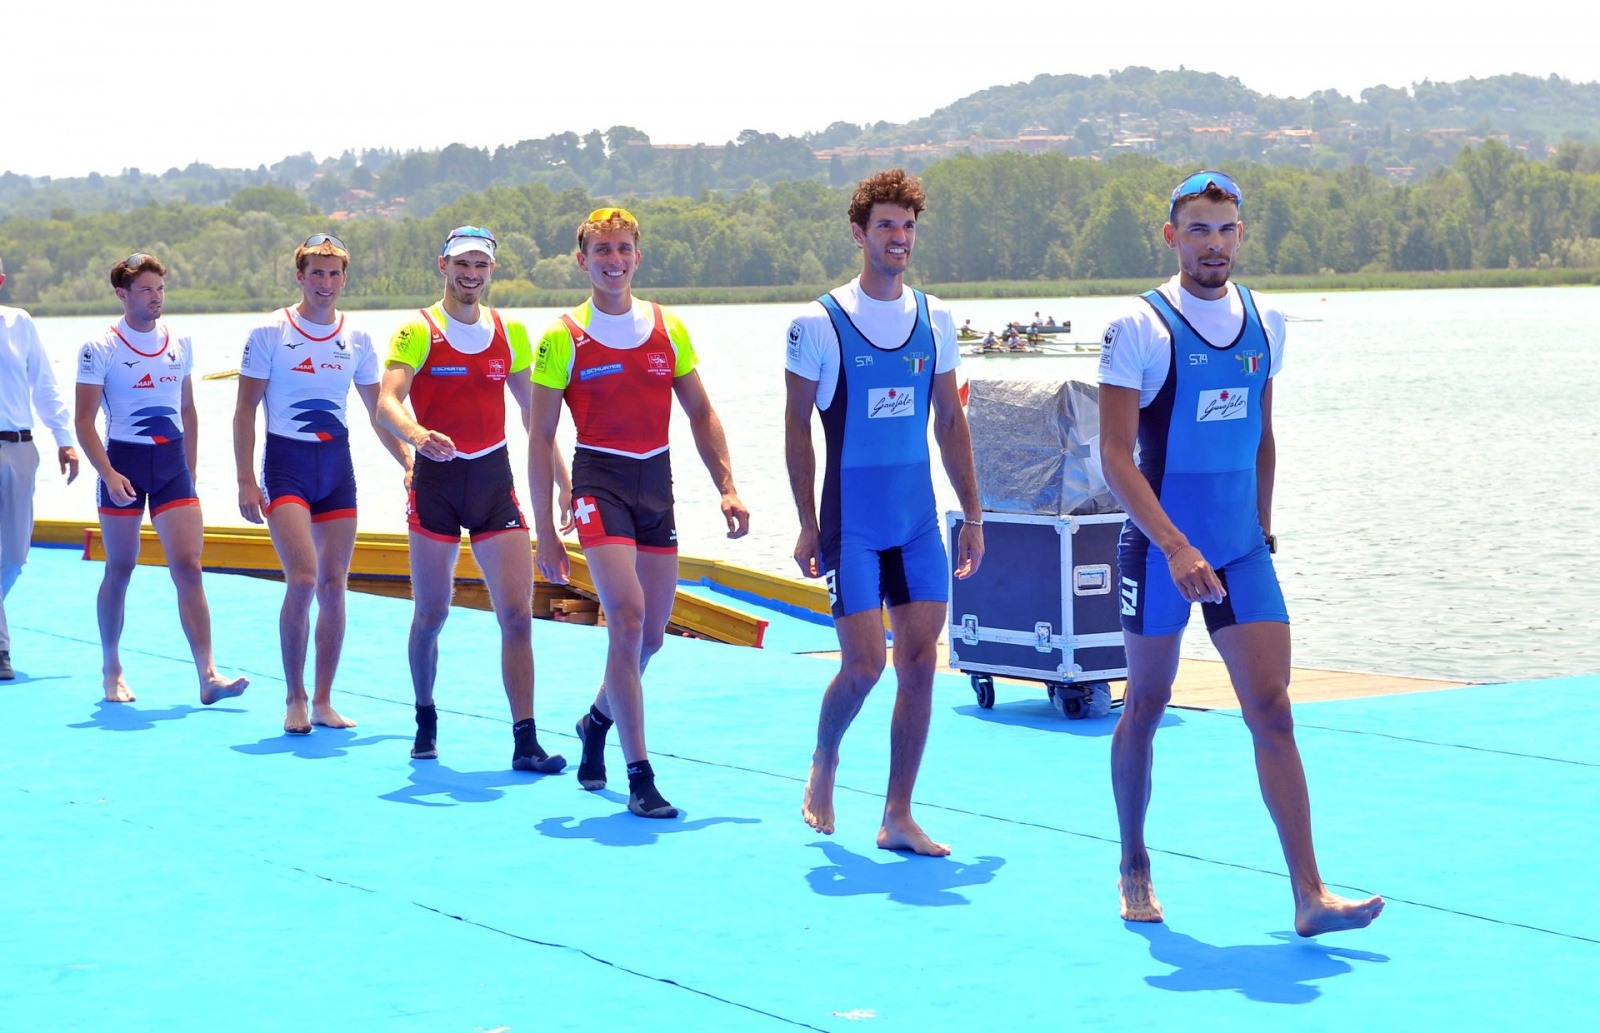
91, 85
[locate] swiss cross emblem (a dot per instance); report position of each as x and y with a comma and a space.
659, 362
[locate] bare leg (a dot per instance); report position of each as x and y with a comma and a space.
336, 544
433, 572
291, 536
507, 563
1257, 656
657, 575
182, 533
861, 658
121, 537
916, 630
1152, 666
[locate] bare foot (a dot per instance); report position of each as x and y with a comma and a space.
1139, 903
117, 690
295, 721
817, 807
1327, 913
905, 834
323, 714
214, 688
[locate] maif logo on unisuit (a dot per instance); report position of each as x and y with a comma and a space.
886, 402
1228, 403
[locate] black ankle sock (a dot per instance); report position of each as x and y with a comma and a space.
427, 715
525, 726
599, 720
640, 771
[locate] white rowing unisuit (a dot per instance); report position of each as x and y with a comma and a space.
141, 376
308, 368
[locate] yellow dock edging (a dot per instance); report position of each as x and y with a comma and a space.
383, 555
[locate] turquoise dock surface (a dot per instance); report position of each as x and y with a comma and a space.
173, 867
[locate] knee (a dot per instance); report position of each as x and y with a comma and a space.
185, 570
330, 589
298, 588
515, 626
860, 676
427, 619
118, 572
1142, 710
626, 621
650, 643
1270, 717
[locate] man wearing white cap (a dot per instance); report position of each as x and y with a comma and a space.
26, 384
454, 362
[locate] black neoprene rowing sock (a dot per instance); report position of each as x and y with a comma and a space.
426, 746
527, 754
600, 720
643, 797
592, 729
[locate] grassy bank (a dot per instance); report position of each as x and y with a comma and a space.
516, 295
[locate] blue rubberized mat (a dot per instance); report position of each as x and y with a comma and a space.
176, 867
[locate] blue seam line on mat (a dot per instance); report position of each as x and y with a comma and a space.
1420, 742
569, 947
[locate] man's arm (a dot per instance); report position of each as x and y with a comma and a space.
87, 404
1266, 462
954, 438
802, 462
251, 391
47, 401
1119, 432
191, 429
544, 413
395, 447
393, 414
712, 444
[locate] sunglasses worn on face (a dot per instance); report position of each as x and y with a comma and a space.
1197, 183
319, 239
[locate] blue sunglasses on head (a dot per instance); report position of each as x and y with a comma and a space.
473, 232
1197, 183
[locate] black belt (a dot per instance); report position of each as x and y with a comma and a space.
16, 435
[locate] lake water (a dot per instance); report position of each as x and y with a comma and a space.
1438, 491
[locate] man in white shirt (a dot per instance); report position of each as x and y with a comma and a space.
1187, 375
137, 372
26, 385
875, 360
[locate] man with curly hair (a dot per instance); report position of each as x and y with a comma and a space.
876, 359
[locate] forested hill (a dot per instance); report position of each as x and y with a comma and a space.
1178, 117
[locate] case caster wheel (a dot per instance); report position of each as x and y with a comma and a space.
1076, 702
983, 688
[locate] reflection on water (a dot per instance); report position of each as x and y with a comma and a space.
1438, 464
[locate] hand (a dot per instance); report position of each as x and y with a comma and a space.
68, 456
119, 488
551, 556
969, 550
808, 552
410, 472
1192, 573
564, 508
250, 500
436, 445
737, 516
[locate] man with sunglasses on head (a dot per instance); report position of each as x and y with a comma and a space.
26, 384
301, 361
455, 362
618, 362
137, 371
876, 360
1186, 375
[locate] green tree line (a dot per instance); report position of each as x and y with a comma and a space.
1008, 217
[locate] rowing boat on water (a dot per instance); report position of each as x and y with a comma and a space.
1037, 351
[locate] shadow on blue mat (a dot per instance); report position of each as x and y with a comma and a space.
430, 778
1043, 716
23, 678
907, 879
125, 717
1273, 973
320, 744
624, 829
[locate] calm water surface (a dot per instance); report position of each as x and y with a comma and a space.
1438, 464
